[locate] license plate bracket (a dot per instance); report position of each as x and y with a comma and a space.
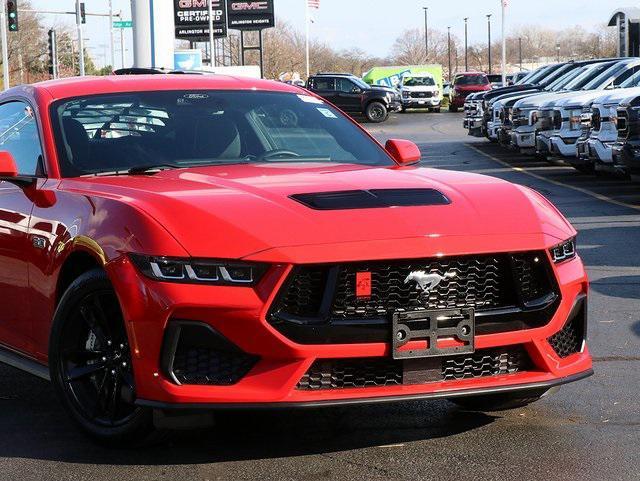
443, 332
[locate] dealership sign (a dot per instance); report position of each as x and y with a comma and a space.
192, 19
254, 15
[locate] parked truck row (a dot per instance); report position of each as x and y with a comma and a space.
585, 112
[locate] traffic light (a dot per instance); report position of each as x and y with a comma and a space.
53, 54
12, 15
83, 16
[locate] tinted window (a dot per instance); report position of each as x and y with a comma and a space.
345, 85
323, 83
418, 82
471, 80
109, 133
19, 135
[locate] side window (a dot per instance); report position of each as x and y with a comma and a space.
19, 135
345, 85
324, 83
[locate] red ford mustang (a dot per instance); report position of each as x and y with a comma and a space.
181, 244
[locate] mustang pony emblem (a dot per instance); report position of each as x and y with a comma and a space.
426, 282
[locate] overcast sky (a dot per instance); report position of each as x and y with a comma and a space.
374, 24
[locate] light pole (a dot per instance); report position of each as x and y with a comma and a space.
449, 49
80, 39
426, 33
466, 46
489, 39
558, 51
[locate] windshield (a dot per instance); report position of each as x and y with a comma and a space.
557, 73
360, 83
566, 78
418, 82
115, 133
538, 74
607, 76
471, 80
587, 76
633, 81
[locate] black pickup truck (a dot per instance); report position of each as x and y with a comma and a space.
354, 96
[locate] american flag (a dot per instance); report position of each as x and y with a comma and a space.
313, 4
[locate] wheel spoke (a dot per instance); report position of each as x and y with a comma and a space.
93, 324
114, 397
81, 355
79, 372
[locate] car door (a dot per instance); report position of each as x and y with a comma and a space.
19, 136
325, 87
350, 95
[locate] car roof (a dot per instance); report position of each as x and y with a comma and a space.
329, 74
470, 73
80, 86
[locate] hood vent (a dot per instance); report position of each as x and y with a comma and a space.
371, 199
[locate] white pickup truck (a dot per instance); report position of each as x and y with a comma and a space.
420, 91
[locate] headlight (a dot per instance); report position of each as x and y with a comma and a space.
564, 252
405, 94
534, 117
198, 271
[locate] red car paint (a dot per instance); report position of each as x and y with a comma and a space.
244, 212
460, 91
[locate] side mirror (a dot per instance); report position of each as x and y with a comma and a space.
9, 171
404, 152
356, 90
8, 167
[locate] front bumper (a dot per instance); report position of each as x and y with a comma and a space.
599, 151
239, 315
412, 103
395, 106
524, 138
626, 157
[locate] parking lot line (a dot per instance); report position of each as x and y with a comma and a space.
590, 193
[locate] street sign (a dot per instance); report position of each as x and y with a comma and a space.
123, 24
192, 19
253, 15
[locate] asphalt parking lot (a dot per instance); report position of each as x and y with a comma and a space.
589, 430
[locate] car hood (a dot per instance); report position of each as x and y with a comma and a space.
616, 96
236, 211
547, 99
578, 99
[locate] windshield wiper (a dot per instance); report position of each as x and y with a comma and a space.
146, 169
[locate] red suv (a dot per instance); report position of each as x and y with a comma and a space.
464, 84
179, 244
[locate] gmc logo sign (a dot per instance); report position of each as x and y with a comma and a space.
193, 3
248, 6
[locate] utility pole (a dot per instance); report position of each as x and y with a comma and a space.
520, 51
558, 51
449, 49
113, 53
212, 45
5, 49
122, 46
466, 46
489, 40
426, 33
504, 44
80, 39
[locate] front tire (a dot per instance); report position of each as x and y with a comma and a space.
376, 112
90, 364
498, 402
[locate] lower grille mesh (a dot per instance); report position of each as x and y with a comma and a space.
206, 366
380, 372
569, 340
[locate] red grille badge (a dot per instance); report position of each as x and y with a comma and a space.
363, 284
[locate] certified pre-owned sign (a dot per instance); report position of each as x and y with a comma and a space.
192, 19
254, 15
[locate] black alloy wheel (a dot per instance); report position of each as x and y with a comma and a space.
90, 363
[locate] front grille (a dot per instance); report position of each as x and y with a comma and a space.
323, 303
421, 95
596, 120
480, 282
557, 120
623, 124
380, 372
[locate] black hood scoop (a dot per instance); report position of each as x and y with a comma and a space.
371, 199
